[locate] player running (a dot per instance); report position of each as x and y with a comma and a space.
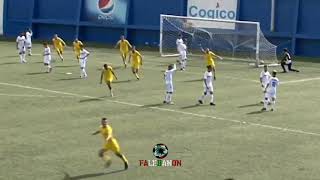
271, 92
21, 47
108, 75
210, 57
110, 143
59, 45
76, 48
264, 79
29, 41
287, 61
47, 57
125, 47
136, 61
168, 77
83, 61
208, 86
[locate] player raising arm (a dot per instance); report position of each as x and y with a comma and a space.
59, 45
125, 47
168, 77
110, 143
29, 41
136, 61
210, 57
47, 57
271, 92
76, 48
208, 86
108, 75
264, 79
21, 41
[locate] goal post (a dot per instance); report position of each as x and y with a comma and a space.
235, 40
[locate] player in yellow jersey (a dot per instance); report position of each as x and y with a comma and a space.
59, 45
108, 75
125, 47
76, 48
210, 58
136, 61
110, 143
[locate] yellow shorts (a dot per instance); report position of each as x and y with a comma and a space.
124, 54
106, 80
77, 53
211, 64
136, 66
112, 145
59, 50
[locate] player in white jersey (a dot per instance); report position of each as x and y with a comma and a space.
83, 61
29, 41
271, 92
264, 79
168, 77
21, 40
47, 57
208, 86
183, 56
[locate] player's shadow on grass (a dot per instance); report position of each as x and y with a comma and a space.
190, 106
91, 100
250, 105
122, 81
90, 175
36, 73
11, 56
193, 80
153, 105
69, 79
8, 63
256, 112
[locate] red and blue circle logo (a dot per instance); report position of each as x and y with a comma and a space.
106, 6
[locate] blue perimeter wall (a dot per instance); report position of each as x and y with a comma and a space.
296, 26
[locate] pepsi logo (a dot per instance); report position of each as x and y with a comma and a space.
106, 6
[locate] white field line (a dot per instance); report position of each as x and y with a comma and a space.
32, 96
300, 80
295, 131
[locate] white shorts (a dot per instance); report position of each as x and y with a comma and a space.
169, 87
183, 55
22, 50
28, 44
47, 60
270, 95
83, 63
208, 90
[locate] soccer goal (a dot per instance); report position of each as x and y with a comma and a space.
234, 40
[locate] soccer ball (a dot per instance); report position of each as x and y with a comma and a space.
107, 161
262, 62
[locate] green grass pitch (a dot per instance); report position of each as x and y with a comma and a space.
46, 120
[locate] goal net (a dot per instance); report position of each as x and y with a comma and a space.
235, 40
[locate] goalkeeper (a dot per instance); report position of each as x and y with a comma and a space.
210, 58
287, 61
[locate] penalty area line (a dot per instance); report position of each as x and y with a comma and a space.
295, 131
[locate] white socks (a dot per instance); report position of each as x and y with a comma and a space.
83, 73
168, 97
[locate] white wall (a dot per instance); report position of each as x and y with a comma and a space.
1, 17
